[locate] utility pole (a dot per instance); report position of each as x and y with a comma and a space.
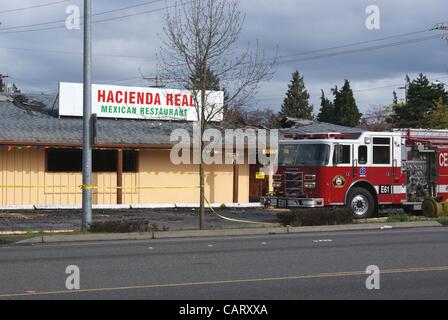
87, 116
406, 88
158, 80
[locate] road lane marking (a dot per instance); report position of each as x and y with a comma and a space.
222, 282
323, 240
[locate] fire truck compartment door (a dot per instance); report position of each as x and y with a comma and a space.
442, 171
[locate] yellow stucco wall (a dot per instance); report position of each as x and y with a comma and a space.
25, 168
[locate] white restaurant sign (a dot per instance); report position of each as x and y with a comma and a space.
136, 103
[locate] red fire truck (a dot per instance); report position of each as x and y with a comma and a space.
406, 168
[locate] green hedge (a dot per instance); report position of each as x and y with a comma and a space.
316, 217
443, 220
125, 226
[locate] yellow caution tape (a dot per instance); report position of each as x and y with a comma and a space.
90, 187
238, 220
87, 186
32, 186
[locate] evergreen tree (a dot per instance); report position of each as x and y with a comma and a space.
212, 84
296, 103
421, 98
326, 113
395, 100
212, 81
345, 109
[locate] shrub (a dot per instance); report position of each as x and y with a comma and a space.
398, 218
125, 226
443, 221
316, 217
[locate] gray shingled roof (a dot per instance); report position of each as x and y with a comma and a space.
37, 121
322, 127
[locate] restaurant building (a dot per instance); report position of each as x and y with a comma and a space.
41, 157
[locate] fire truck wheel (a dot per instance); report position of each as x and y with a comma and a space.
362, 203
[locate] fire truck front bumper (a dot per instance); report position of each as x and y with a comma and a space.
278, 202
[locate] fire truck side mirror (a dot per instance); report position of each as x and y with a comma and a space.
337, 154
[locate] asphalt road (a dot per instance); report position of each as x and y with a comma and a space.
413, 264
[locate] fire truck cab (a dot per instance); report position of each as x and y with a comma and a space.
364, 170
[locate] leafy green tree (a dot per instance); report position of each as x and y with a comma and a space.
438, 118
345, 109
326, 113
296, 103
421, 98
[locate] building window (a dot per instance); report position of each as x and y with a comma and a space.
362, 155
70, 160
104, 160
130, 161
381, 150
64, 160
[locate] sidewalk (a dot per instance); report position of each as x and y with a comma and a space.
224, 232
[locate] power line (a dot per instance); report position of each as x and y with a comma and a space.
100, 21
34, 7
93, 15
283, 56
268, 98
355, 43
393, 44
71, 52
308, 58
332, 54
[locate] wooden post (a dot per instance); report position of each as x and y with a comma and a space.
235, 182
119, 176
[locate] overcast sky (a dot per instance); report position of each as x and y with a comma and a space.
294, 26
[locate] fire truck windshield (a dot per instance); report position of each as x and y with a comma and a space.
304, 154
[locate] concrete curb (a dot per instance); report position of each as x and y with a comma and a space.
224, 232
16, 208
21, 233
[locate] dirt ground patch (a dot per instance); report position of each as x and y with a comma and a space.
173, 219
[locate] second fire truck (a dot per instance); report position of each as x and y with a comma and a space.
366, 171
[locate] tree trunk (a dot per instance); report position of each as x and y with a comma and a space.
201, 144
202, 197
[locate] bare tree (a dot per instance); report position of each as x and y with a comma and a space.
200, 39
377, 118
